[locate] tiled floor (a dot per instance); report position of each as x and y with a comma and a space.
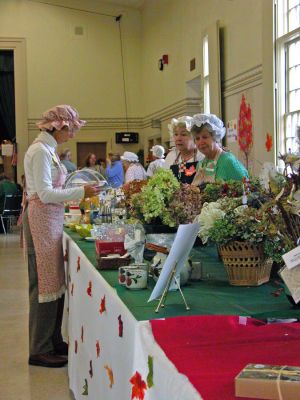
18, 380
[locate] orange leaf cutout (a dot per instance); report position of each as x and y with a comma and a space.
102, 305
139, 387
269, 142
110, 375
190, 171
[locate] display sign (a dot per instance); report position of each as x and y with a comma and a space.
127, 137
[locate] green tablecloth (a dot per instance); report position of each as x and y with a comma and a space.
211, 296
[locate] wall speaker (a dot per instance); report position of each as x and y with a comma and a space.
127, 137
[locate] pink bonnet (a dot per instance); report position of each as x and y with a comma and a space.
59, 116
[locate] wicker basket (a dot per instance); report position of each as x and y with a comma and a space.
245, 264
112, 263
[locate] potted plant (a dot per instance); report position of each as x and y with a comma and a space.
249, 239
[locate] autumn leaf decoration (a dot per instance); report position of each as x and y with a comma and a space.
72, 289
102, 305
98, 348
245, 136
76, 347
91, 369
89, 289
66, 256
78, 264
138, 387
85, 388
120, 326
269, 142
190, 171
110, 375
150, 373
82, 333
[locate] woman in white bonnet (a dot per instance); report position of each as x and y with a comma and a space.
133, 168
158, 153
183, 158
208, 131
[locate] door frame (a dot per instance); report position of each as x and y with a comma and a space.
18, 45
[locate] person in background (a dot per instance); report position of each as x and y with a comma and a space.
208, 131
114, 170
158, 154
184, 157
7, 186
43, 230
91, 163
133, 168
65, 158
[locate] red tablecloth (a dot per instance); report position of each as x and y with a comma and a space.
212, 350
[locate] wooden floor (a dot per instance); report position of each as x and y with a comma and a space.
18, 380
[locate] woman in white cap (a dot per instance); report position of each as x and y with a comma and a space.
183, 159
158, 154
208, 131
133, 168
43, 229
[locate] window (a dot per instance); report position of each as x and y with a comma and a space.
206, 75
288, 73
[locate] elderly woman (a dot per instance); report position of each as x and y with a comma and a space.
158, 155
208, 131
133, 169
183, 159
65, 158
43, 230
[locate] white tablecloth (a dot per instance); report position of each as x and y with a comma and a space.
108, 347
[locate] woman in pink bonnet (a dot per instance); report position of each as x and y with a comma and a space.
43, 229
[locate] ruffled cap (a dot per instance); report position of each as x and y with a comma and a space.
129, 156
211, 119
59, 116
188, 121
158, 151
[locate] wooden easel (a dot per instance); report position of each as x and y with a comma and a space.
166, 289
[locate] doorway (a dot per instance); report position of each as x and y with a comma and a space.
84, 148
7, 109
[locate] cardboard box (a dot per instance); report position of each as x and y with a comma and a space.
272, 382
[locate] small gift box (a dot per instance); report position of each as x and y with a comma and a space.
274, 382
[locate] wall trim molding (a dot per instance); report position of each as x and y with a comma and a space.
245, 80
189, 105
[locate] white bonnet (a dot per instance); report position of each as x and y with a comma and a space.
211, 119
188, 121
158, 151
129, 156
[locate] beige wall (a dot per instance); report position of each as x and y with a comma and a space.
176, 27
86, 71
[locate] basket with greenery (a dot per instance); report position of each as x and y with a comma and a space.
249, 238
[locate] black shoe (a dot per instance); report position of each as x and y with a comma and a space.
61, 349
48, 360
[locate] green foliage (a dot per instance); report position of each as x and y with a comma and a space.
153, 201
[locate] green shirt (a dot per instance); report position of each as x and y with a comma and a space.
228, 167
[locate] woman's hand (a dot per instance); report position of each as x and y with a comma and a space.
91, 190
